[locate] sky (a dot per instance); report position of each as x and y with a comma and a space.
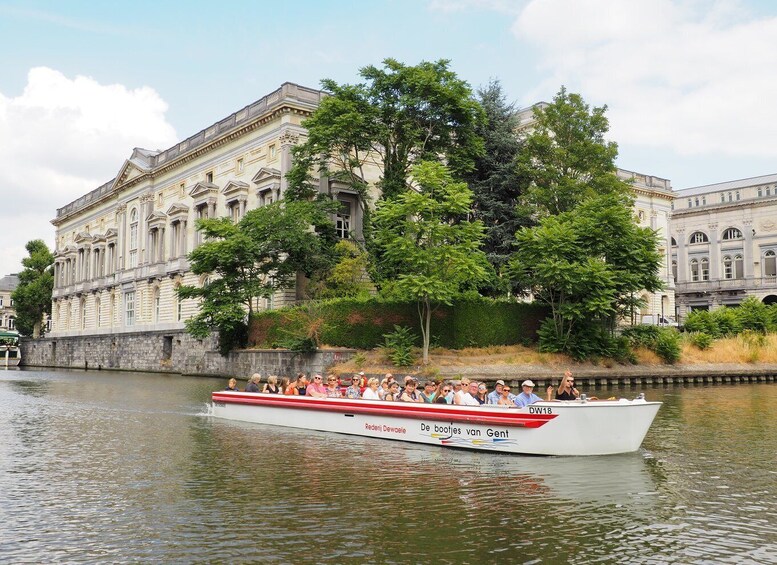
689, 85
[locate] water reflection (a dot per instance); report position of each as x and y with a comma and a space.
104, 466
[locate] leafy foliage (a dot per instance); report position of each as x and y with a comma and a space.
668, 345
399, 115
427, 244
565, 157
347, 277
32, 297
250, 260
585, 265
701, 340
399, 345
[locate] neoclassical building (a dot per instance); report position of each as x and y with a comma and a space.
120, 250
8, 284
724, 243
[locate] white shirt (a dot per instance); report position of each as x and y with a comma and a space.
469, 400
370, 394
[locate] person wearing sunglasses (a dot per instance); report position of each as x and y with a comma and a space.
316, 389
443, 393
566, 389
506, 398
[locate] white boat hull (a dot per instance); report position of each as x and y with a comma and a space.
545, 428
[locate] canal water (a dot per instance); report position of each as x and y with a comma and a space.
127, 467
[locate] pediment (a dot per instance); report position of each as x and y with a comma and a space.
235, 187
69, 249
111, 233
177, 209
156, 216
98, 238
128, 171
266, 174
204, 189
83, 237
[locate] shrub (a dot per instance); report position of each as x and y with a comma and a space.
701, 340
701, 321
668, 345
399, 345
754, 315
642, 336
726, 322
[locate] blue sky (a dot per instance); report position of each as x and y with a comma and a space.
689, 83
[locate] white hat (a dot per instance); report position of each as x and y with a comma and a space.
527, 383
500, 382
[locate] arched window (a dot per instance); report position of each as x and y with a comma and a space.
694, 270
770, 264
133, 239
82, 307
705, 269
674, 242
732, 233
157, 304
739, 267
699, 237
728, 267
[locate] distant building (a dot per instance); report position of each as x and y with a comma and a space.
120, 250
724, 243
7, 313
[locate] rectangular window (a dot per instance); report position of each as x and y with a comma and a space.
209, 176
129, 308
271, 151
343, 221
240, 165
760, 191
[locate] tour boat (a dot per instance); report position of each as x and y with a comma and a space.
10, 354
578, 427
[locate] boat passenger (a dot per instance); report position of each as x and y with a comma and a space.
355, 390
494, 396
302, 383
566, 388
429, 392
458, 394
253, 383
284, 384
527, 396
482, 394
506, 399
332, 387
384, 388
272, 385
372, 390
470, 397
410, 394
316, 389
393, 392
232, 385
390, 378
455, 386
292, 388
443, 394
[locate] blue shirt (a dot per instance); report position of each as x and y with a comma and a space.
493, 397
524, 399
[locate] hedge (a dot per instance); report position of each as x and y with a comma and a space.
361, 323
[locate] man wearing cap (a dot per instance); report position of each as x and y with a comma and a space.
527, 396
493, 396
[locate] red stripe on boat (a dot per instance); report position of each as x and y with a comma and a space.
414, 410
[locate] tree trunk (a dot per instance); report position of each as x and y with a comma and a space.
36, 330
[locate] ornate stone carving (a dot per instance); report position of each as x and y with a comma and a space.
768, 225
288, 138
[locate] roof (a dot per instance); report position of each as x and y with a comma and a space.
728, 185
9, 282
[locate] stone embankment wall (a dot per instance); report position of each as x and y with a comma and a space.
169, 352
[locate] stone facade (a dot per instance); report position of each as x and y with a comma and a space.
7, 313
170, 352
120, 250
724, 243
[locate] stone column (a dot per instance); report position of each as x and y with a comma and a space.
682, 257
287, 140
747, 258
714, 253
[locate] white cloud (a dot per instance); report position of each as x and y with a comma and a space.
694, 76
61, 138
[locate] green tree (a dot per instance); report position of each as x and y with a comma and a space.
347, 277
565, 157
495, 181
250, 260
585, 265
399, 115
32, 298
424, 239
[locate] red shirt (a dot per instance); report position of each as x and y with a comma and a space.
315, 386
